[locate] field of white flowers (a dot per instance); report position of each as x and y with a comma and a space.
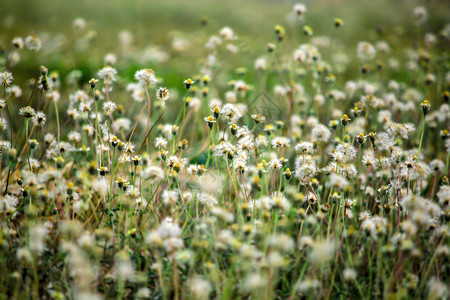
205, 160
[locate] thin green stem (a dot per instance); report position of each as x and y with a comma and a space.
421, 138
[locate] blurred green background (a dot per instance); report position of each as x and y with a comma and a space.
158, 23
169, 37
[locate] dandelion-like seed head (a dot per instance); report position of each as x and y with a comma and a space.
28, 112
6, 78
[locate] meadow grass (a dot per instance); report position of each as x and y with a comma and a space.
258, 150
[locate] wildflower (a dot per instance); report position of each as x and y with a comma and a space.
8, 203
241, 87
200, 288
102, 171
227, 34
401, 130
85, 106
110, 59
437, 289
216, 112
192, 169
53, 96
3, 124
338, 22
233, 129
320, 133
18, 42
114, 141
136, 160
133, 192
79, 23
108, 74
305, 171
280, 202
420, 14
188, 82
129, 148
37, 237
349, 274
170, 197
39, 118
366, 51
288, 174
246, 143
307, 30
109, 107
258, 118
345, 120
260, 64
344, 153
268, 129
162, 94
330, 78
322, 251
6, 78
152, 173
93, 83
300, 9
27, 112
275, 164
145, 77
231, 112
160, 142
74, 137
240, 165
279, 32
122, 124
204, 91
280, 141
304, 148
425, 107
334, 124
33, 42
360, 138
